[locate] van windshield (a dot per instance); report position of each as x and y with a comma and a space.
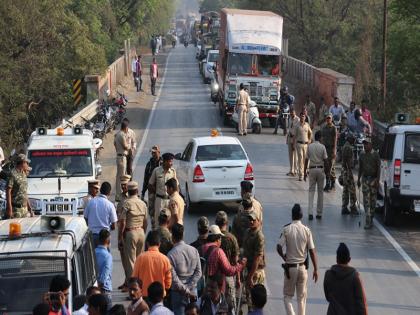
26, 279
56, 163
412, 148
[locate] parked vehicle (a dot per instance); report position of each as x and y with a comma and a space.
399, 185
251, 56
214, 88
209, 65
34, 250
254, 122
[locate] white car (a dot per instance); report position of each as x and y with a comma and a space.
212, 57
211, 170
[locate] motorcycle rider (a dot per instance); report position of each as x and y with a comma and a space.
360, 125
350, 114
286, 101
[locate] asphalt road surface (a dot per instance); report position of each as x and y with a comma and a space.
182, 110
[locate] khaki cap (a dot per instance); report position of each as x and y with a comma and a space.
124, 179
329, 115
132, 185
155, 148
93, 183
215, 230
165, 213
252, 215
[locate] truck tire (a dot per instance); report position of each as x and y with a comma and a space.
389, 212
256, 128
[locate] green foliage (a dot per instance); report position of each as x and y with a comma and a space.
46, 44
216, 5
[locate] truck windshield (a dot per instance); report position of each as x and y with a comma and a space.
55, 163
26, 279
213, 57
268, 65
240, 64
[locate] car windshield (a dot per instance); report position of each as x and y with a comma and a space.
27, 279
220, 152
412, 149
55, 163
213, 57
240, 64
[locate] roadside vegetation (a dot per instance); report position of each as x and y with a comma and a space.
46, 44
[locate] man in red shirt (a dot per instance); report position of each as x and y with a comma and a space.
217, 262
366, 114
154, 75
151, 266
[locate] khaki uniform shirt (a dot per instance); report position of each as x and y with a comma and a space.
120, 205
293, 122
297, 238
134, 212
176, 206
316, 154
120, 142
329, 135
256, 207
369, 163
253, 246
159, 178
302, 133
243, 98
18, 182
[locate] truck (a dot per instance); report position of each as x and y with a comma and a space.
250, 53
62, 161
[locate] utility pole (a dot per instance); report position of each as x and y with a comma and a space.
384, 46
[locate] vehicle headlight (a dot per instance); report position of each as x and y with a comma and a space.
215, 86
232, 95
35, 204
80, 203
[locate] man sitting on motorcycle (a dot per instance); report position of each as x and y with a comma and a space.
360, 125
286, 105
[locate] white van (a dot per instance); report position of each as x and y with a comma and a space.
400, 171
30, 260
62, 162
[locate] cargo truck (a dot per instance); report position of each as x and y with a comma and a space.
250, 53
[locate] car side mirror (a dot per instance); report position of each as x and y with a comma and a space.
98, 169
178, 156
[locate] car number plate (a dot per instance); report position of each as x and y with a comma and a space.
224, 192
417, 205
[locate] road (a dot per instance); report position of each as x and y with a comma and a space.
183, 110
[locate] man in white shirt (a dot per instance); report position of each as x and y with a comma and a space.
337, 110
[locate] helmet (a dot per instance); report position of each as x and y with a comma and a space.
285, 89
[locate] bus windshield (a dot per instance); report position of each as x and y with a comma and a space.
56, 163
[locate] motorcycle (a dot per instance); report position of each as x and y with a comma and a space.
254, 122
285, 113
358, 147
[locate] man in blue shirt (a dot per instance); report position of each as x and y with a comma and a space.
104, 264
100, 213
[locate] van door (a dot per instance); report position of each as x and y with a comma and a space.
386, 154
410, 166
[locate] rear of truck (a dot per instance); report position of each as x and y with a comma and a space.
250, 53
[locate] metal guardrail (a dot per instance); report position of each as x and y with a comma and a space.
87, 112
300, 70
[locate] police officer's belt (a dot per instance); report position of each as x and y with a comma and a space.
119, 154
301, 142
162, 197
294, 265
132, 228
316, 166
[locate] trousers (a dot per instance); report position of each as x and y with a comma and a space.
316, 180
297, 282
330, 164
130, 158
301, 150
292, 156
243, 119
369, 196
121, 170
349, 189
133, 246
153, 85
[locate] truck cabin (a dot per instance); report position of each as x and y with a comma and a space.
253, 65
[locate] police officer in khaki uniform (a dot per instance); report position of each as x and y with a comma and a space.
121, 147
160, 176
246, 193
294, 244
369, 173
329, 139
132, 227
253, 250
301, 138
132, 146
93, 189
17, 203
315, 160
240, 222
242, 108
176, 203
124, 195
293, 121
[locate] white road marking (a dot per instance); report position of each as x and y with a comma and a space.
149, 121
391, 240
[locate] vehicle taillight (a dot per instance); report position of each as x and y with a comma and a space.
249, 172
397, 173
198, 176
